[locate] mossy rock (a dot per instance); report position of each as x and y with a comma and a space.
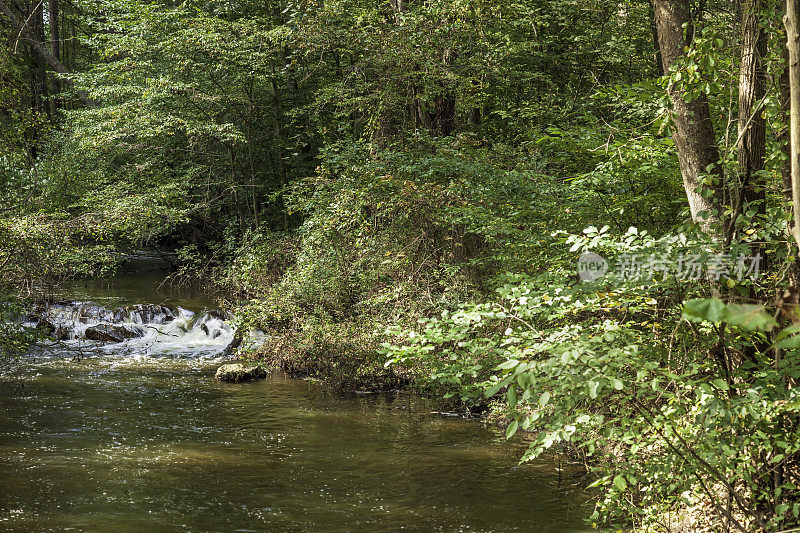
237, 373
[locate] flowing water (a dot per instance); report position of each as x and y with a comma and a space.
136, 435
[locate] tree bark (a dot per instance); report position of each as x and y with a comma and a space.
444, 121
397, 9
792, 22
656, 46
752, 86
783, 94
693, 135
38, 71
37, 46
278, 136
55, 45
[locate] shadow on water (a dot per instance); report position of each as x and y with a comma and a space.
130, 446
135, 288
121, 441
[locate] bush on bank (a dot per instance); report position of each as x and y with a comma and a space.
382, 288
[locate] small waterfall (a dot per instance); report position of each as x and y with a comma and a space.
142, 329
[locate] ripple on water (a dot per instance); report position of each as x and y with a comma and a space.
140, 437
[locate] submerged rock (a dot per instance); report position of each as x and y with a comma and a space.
219, 314
56, 331
110, 333
236, 373
211, 332
148, 314
46, 325
61, 333
233, 345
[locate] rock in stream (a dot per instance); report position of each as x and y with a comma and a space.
110, 333
237, 373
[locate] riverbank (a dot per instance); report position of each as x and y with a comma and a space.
580, 356
347, 363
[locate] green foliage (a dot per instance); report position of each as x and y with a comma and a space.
371, 183
15, 339
613, 372
747, 317
390, 237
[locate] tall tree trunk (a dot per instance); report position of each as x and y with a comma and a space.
694, 135
251, 115
55, 45
397, 8
783, 92
277, 109
37, 66
752, 85
73, 42
656, 46
443, 119
792, 22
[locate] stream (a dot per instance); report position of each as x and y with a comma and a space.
137, 435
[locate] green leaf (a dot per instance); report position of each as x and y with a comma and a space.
511, 395
791, 343
620, 483
491, 391
789, 330
748, 317
709, 309
544, 398
507, 365
720, 384
512, 429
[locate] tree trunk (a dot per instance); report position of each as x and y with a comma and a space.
251, 114
656, 46
752, 85
694, 135
397, 9
444, 121
278, 116
55, 46
38, 66
792, 22
783, 138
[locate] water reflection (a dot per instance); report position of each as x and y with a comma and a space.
137, 436
102, 447
138, 288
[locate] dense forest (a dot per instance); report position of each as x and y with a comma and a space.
580, 217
